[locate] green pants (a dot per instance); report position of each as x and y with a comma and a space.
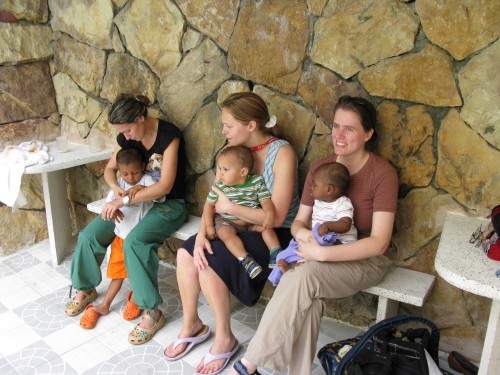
140, 249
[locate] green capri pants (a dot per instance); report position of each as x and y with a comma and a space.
140, 248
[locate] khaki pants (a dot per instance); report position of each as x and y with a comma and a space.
289, 328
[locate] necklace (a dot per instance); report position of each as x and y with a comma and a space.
261, 146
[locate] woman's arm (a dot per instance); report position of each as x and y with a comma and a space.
301, 226
110, 174
375, 244
285, 175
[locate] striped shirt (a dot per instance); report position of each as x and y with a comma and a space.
334, 211
248, 194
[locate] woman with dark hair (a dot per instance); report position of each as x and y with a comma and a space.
288, 330
155, 139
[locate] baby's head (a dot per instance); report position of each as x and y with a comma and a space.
234, 164
130, 164
330, 182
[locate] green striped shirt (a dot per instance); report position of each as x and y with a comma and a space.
248, 194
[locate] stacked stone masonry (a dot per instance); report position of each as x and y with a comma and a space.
431, 68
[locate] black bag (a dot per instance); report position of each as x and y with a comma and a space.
389, 347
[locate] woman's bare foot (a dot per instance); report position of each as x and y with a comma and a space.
80, 295
148, 323
224, 346
186, 331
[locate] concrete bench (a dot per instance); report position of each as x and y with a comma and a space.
187, 229
399, 284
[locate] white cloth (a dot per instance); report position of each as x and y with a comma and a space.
13, 161
135, 212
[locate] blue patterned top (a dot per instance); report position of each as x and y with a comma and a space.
268, 176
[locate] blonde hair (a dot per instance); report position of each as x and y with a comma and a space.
246, 107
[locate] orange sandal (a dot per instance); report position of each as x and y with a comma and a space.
89, 318
132, 311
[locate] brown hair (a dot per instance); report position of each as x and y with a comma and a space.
335, 174
247, 106
127, 109
242, 154
366, 112
127, 156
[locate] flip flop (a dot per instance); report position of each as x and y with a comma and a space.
132, 311
209, 357
240, 368
201, 336
89, 318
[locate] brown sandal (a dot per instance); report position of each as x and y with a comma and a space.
132, 311
73, 308
140, 335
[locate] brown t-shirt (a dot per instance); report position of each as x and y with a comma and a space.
373, 188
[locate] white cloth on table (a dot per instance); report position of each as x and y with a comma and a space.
13, 161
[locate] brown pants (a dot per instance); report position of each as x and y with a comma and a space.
289, 328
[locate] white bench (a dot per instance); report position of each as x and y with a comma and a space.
399, 284
186, 230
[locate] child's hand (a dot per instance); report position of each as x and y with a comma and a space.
211, 233
268, 222
323, 229
133, 190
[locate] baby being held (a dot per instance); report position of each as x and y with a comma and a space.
332, 216
234, 178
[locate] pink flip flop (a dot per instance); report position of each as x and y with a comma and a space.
209, 357
201, 336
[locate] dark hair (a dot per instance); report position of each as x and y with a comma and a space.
128, 156
127, 109
247, 106
366, 112
335, 174
242, 154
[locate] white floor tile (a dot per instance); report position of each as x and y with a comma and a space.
43, 278
9, 321
20, 297
67, 338
87, 355
17, 339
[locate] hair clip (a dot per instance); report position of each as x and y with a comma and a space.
271, 123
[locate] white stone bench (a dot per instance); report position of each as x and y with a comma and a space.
186, 230
399, 284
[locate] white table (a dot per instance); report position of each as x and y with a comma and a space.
467, 267
55, 194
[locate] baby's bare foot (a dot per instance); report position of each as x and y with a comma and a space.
284, 265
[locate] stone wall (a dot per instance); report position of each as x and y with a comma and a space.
428, 66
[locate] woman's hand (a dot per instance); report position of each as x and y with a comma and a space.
223, 204
118, 191
303, 234
133, 190
200, 246
111, 211
309, 249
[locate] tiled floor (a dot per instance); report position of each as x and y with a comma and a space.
36, 337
